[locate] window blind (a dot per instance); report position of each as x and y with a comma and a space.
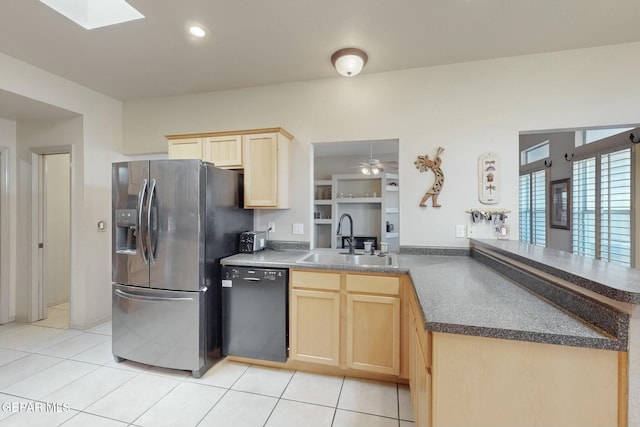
584, 207
602, 207
615, 207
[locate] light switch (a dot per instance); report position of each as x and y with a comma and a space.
298, 228
460, 231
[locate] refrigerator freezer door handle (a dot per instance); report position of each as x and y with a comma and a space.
152, 236
147, 298
141, 242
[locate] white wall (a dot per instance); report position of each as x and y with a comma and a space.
467, 108
101, 143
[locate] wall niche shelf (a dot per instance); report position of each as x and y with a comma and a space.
372, 201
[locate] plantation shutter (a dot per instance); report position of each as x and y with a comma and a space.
602, 207
615, 207
533, 208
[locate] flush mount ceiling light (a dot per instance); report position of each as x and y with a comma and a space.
197, 31
92, 14
349, 61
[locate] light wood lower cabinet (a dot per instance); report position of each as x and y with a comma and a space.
314, 335
345, 319
460, 380
373, 333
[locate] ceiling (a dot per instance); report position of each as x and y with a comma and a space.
258, 42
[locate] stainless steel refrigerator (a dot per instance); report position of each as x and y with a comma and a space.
173, 220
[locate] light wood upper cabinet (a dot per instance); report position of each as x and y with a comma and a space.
223, 151
266, 172
186, 148
263, 154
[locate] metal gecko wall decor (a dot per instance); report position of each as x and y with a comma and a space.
423, 164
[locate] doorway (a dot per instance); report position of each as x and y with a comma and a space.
54, 238
4, 237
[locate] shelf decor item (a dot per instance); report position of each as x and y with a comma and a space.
423, 164
489, 178
560, 213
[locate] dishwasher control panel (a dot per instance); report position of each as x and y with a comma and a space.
230, 274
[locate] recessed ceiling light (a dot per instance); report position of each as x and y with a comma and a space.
92, 14
197, 31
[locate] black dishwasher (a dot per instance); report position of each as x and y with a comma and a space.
255, 306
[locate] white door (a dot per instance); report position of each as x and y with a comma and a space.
56, 220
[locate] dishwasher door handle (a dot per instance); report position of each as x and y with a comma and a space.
251, 279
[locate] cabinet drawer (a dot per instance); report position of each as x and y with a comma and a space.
373, 284
315, 280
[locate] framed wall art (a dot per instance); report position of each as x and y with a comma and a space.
560, 206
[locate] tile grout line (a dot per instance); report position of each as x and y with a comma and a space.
398, 402
223, 394
156, 402
279, 398
335, 410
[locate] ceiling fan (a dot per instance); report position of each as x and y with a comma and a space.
374, 166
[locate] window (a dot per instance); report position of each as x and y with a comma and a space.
593, 135
533, 208
602, 207
535, 153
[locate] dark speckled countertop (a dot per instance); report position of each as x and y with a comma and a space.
613, 281
461, 295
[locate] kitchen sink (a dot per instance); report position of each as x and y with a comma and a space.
364, 260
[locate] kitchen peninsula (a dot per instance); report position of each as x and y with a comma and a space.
511, 334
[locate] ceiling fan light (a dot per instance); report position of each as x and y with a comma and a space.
375, 170
366, 170
349, 62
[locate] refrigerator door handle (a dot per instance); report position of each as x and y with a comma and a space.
141, 242
148, 298
152, 235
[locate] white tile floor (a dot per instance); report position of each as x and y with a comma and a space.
57, 317
43, 365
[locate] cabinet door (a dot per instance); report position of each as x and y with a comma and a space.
223, 151
266, 170
190, 148
261, 170
314, 326
423, 388
373, 333
419, 375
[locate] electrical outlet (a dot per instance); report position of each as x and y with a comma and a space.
298, 228
471, 232
460, 231
271, 226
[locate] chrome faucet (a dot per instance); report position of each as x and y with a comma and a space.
352, 246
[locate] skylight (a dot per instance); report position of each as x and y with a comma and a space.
92, 14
